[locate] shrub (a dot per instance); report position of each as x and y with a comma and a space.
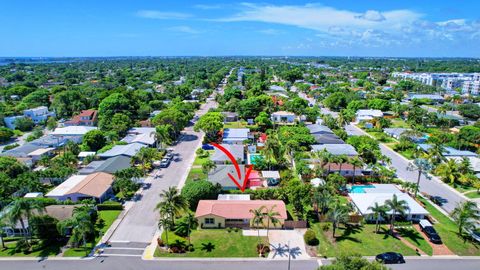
229, 229
109, 206
311, 238
326, 227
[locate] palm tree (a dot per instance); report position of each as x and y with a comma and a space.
340, 159
338, 214
449, 171
208, 166
162, 135
396, 207
192, 221
22, 209
378, 211
356, 163
2, 231
423, 166
271, 216
466, 215
173, 202
258, 218
322, 198
166, 224
81, 225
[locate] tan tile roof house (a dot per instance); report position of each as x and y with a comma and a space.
96, 185
236, 213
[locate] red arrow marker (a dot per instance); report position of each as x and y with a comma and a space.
237, 168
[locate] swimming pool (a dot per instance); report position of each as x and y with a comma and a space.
360, 189
253, 158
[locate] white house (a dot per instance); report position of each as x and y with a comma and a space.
363, 197
367, 115
235, 135
283, 117
72, 133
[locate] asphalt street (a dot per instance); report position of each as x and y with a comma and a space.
140, 222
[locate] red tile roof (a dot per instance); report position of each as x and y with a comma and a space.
233, 209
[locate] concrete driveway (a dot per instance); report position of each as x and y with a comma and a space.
283, 241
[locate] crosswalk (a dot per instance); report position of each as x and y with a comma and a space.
125, 249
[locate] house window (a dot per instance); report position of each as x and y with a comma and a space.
209, 221
234, 220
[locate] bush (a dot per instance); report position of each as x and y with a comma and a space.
199, 190
109, 206
229, 229
326, 227
311, 238
10, 146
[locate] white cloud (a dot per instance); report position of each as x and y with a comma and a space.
207, 6
269, 31
371, 28
371, 15
162, 15
184, 29
321, 18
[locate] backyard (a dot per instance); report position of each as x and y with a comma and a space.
359, 239
447, 230
215, 243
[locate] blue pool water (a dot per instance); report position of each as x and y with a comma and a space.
360, 189
254, 157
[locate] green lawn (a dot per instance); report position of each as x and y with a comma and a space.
362, 240
416, 239
447, 230
196, 174
380, 136
473, 194
238, 124
199, 161
108, 217
399, 123
216, 243
408, 154
50, 250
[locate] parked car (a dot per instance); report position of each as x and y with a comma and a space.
390, 258
475, 234
438, 200
207, 147
428, 229
165, 163
169, 155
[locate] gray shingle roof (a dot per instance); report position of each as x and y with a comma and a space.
125, 150
336, 149
238, 152
319, 129
220, 175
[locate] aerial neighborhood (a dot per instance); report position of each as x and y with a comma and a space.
274, 159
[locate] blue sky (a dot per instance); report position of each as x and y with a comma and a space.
168, 28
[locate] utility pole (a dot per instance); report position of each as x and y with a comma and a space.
288, 250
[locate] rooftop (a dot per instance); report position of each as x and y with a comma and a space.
336, 149
238, 152
72, 130
238, 209
125, 150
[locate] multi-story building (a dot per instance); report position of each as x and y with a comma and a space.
471, 87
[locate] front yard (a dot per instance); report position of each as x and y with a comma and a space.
215, 243
447, 230
108, 216
362, 240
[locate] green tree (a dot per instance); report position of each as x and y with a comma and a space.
395, 206
173, 202
449, 171
210, 123
24, 124
164, 135
81, 225
378, 211
423, 167
208, 166
185, 225
21, 210
272, 217
337, 214
194, 191
5, 134
466, 215
258, 217
165, 223
94, 140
